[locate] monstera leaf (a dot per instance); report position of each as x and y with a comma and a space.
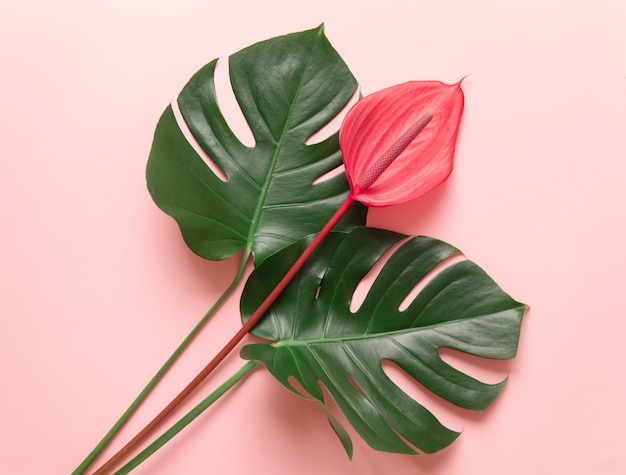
318, 339
288, 88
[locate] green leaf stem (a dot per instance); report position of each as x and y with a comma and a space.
288, 88
187, 418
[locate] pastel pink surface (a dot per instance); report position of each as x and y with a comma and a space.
98, 287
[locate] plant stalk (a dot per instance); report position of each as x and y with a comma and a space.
188, 418
161, 372
252, 321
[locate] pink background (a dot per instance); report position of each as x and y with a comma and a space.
97, 287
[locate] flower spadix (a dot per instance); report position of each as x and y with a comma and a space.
398, 143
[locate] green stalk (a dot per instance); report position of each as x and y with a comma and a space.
234, 341
161, 372
188, 418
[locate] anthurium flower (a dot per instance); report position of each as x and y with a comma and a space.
398, 143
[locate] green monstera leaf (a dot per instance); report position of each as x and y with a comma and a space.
318, 339
287, 88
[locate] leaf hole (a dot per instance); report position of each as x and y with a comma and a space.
317, 292
447, 413
229, 106
485, 370
332, 407
365, 284
331, 174
297, 387
354, 384
333, 125
217, 171
414, 292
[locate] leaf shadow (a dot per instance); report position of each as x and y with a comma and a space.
425, 212
299, 416
180, 266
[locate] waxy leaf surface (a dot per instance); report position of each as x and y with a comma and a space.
288, 88
317, 339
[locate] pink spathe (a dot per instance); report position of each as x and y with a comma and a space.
379, 123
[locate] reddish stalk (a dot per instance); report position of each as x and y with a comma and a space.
252, 321
364, 183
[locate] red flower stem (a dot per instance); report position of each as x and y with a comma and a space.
82, 468
252, 321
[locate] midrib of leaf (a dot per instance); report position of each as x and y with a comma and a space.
340, 340
256, 218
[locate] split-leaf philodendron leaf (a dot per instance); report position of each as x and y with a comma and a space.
318, 339
288, 88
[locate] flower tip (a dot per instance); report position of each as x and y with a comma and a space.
463, 79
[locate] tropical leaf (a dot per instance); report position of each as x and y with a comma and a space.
318, 339
288, 88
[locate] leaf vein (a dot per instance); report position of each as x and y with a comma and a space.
340, 339
266, 185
